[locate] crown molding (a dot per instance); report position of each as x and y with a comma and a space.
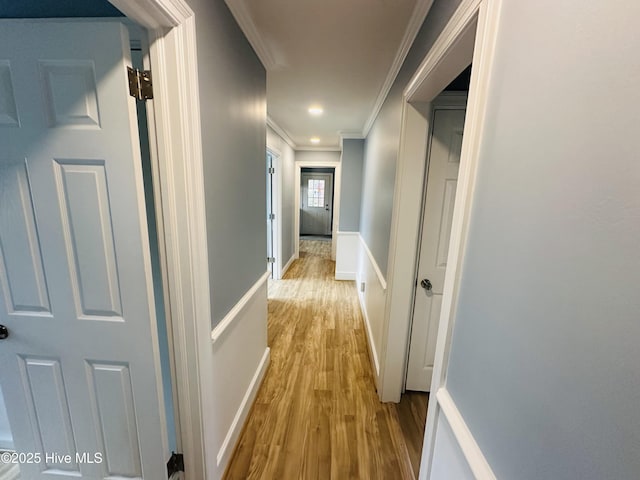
418, 15
349, 136
318, 149
154, 13
243, 17
282, 132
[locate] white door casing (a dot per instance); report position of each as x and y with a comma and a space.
316, 219
81, 370
270, 217
443, 166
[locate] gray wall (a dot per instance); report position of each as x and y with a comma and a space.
351, 188
545, 357
381, 145
233, 98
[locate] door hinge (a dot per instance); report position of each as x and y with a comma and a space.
271, 216
140, 85
272, 170
271, 259
175, 464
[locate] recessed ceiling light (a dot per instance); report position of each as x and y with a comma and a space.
314, 140
316, 110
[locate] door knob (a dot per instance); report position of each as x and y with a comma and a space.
4, 332
426, 284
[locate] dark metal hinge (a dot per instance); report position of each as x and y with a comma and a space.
271, 259
272, 170
175, 464
140, 85
272, 216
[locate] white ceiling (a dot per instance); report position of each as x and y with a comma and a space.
342, 55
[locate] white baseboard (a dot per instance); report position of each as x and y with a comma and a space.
286, 267
372, 344
345, 275
243, 410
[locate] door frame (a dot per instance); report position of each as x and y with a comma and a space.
276, 199
469, 37
329, 176
337, 178
176, 151
444, 101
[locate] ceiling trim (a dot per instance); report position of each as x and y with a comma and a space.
243, 17
349, 136
418, 15
318, 149
153, 13
281, 132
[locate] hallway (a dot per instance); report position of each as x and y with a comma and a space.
317, 414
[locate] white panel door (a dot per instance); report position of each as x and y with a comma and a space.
444, 162
270, 216
316, 203
80, 369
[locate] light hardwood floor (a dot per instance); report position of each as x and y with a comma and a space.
317, 414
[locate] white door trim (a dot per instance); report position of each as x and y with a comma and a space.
456, 44
276, 195
487, 15
337, 179
172, 39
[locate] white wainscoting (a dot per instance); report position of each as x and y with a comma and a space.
372, 301
240, 358
455, 452
347, 252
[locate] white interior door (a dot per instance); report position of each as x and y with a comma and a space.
270, 216
316, 203
444, 162
80, 369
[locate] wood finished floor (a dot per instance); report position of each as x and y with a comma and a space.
317, 414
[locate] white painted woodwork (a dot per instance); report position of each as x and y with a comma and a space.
349, 71
322, 159
442, 177
372, 293
484, 15
449, 461
80, 369
347, 250
316, 220
271, 250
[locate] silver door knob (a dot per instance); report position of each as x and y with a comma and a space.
426, 284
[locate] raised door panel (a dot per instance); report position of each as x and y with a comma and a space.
77, 377
442, 179
8, 109
22, 278
86, 215
48, 408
